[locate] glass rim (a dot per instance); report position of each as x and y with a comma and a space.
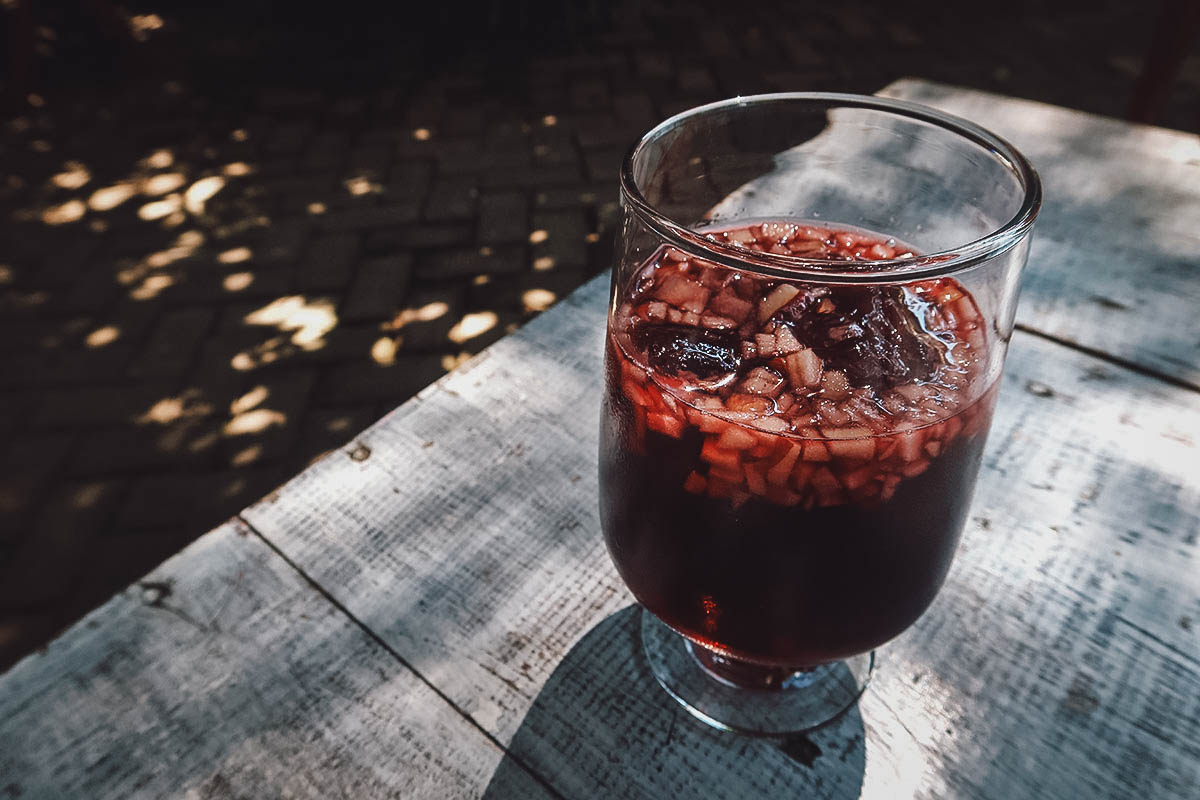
926, 265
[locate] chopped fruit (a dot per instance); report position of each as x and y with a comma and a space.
861, 449
672, 349
771, 424
719, 456
665, 424
713, 321
800, 394
681, 292
729, 304
748, 404
764, 441
780, 296
834, 385
804, 368
736, 438
909, 446
756, 478
816, 451
785, 341
762, 380
781, 470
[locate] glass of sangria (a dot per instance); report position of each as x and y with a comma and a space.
811, 301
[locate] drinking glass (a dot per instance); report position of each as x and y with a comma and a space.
812, 297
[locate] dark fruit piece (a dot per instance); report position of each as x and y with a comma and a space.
704, 352
870, 334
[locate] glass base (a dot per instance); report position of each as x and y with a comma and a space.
740, 696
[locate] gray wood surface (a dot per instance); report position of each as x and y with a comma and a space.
1114, 264
222, 675
1062, 659
1061, 654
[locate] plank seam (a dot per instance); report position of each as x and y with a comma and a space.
401, 659
1149, 372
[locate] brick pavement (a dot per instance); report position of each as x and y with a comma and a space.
219, 262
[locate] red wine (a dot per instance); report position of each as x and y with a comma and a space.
786, 468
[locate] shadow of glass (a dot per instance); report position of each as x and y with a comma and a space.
602, 720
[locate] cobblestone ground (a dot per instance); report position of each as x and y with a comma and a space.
229, 248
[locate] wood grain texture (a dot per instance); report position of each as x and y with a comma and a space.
1062, 655
1114, 264
225, 675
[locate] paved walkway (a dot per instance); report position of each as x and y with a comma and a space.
228, 249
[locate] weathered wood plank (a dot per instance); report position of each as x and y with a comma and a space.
1114, 263
224, 674
1062, 654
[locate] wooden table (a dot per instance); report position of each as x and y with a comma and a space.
430, 612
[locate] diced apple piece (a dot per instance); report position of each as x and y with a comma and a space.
691, 318
835, 385
885, 447
749, 403
913, 392
631, 372
715, 455
740, 236
682, 293
780, 296
635, 393
977, 340
765, 344
804, 368
833, 414
781, 470
695, 483
761, 380
850, 442
774, 231
861, 449
908, 445
729, 304
665, 424
860, 477
756, 478
786, 341
656, 310
734, 437
933, 447
815, 451
724, 473
914, 469
772, 424
714, 322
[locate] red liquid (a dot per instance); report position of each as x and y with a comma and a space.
796, 496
